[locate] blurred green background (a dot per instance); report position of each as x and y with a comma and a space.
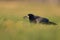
14, 27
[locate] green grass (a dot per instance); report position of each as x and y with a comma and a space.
14, 27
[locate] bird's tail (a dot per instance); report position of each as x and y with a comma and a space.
52, 23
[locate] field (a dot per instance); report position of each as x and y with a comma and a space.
14, 27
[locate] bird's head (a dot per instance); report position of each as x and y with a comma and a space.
30, 15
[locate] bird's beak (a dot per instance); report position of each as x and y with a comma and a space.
27, 16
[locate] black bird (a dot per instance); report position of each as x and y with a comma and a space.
38, 19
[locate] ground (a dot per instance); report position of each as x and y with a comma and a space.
14, 27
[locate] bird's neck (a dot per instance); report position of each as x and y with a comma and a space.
31, 18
